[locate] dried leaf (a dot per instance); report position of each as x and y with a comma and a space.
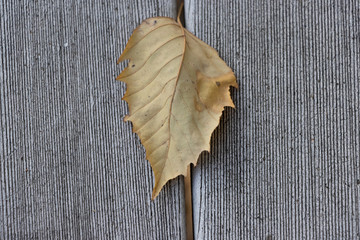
177, 88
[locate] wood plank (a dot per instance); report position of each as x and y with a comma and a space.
284, 164
70, 168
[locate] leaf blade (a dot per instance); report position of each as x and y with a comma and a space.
175, 138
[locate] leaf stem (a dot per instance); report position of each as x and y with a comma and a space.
179, 13
188, 205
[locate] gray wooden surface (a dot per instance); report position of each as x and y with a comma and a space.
285, 163
70, 168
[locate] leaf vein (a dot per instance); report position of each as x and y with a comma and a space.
157, 49
154, 114
162, 90
157, 148
162, 67
153, 30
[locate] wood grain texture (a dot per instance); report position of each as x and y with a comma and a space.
286, 163
70, 168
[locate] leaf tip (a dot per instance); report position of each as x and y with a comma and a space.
122, 56
119, 60
235, 85
155, 192
118, 77
153, 196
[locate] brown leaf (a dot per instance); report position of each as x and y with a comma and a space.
177, 88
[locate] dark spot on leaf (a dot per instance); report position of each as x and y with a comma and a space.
155, 22
133, 65
217, 84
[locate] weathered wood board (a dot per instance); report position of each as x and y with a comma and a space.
286, 163
70, 168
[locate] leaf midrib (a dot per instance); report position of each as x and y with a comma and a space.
172, 100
